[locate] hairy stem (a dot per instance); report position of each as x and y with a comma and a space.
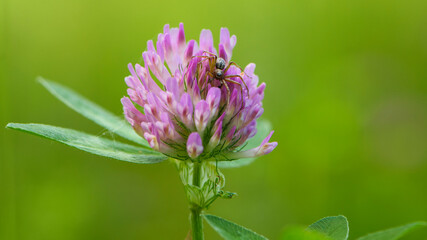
195, 217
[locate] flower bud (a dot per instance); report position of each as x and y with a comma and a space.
201, 115
194, 145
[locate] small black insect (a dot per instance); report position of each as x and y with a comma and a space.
217, 70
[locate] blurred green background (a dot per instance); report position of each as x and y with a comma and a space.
346, 93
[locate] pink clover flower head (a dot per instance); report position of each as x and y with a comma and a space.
204, 107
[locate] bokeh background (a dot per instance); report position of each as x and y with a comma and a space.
346, 94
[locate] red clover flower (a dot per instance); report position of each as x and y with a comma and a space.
188, 110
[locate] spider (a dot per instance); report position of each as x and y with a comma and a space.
217, 70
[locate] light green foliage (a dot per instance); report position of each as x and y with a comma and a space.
299, 233
328, 228
335, 227
231, 231
263, 129
93, 144
393, 233
92, 111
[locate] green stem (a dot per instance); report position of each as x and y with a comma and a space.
196, 224
196, 218
197, 167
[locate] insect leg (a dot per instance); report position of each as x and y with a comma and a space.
235, 64
212, 63
228, 91
201, 57
207, 52
210, 74
204, 59
241, 78
235, 82
241, 89
199, 64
